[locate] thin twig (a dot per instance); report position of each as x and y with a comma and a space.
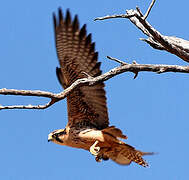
139, 11
28, 106
149, 9
117, 60
153, 43
113, 16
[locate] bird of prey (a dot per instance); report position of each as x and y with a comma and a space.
88, 124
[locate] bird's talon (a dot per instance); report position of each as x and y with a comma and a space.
94, 150
98, 159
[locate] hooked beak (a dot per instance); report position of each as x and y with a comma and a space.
50, 138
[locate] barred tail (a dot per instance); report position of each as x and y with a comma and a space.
124, 154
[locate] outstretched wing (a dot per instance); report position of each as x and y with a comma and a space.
76, 53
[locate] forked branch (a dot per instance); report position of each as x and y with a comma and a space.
174, 45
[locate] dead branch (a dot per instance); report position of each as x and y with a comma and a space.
125, 67
174, 45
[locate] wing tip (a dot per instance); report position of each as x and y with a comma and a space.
54, 20
88, 39
68, 17
59, 20
82, 32
60, 14
75, 23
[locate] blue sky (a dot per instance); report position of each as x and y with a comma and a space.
152, 110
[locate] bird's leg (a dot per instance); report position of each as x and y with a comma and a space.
94, 150
101, 156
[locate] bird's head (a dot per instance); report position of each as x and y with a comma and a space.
57, 136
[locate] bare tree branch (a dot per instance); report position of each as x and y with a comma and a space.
27, 93
134, 67
29, 106
174, 45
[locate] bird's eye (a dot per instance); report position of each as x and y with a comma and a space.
62, 132
57, 137
54, 135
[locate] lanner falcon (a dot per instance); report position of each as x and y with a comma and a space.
88, 125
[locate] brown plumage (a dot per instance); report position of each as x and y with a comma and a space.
76, 54
88, 123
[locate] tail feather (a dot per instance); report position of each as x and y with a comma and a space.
124, 154
118, 151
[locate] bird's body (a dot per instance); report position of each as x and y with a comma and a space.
88, 124
82, 138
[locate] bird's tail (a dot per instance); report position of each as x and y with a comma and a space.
124, 154
119, 151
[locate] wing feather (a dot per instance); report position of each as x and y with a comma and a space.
76, 54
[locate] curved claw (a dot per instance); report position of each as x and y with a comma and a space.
98, 159
94, 150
